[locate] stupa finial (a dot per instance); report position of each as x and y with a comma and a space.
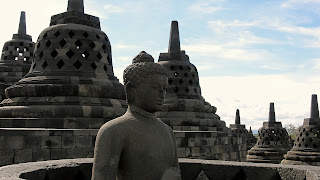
237, 121
22, 24
174, 42
314, 114
76, 5
272, 116
250, 130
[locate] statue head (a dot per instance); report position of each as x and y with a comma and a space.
145, 83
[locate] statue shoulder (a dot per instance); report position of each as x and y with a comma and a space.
116, 126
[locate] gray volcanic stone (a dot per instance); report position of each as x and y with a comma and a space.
137, 145
17, 55
272, 142
251, 140
71, 83
184, 105
306, 148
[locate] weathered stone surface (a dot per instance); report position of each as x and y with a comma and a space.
190, 170
272, 142
16, 58
185, 109
137, 145
306, 148
71, 80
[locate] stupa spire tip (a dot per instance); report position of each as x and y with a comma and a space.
272, 116
22, 24
174, 42
76, 5
314, 107
237, 121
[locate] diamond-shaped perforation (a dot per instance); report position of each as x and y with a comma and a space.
109, 59
195, 90
78, 43
187, 90
94, 66
176, 89
41, 54
185, 74
92, 45
77, 64
99, 56
62, 43
38, 46
45, 35
56, 34
181, 68
48, 43
60, 64
44, 65
70, 53
85, 54
189, 68
190, 82
85, 34
71, 34
170, 81
97, 36
34, 66
104, 47
171, 67
175, 74
54, 53
105, 68
193, 75
181, 81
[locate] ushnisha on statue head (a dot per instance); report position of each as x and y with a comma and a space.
145, 83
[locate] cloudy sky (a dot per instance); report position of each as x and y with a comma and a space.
248, 53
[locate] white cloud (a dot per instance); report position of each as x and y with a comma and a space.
113, 9
294, 3
252, 95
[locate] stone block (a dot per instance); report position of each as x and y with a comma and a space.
181, 152
77, 153
191, 142
90, 152
51, 142
58, 154
32, 142
178, 134
81, 132
11, 142
68, 141
195, 151
6, 157
23, 155
40, 154
83, 141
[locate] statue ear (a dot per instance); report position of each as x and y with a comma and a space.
131, 92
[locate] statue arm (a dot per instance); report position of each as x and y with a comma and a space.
107, 153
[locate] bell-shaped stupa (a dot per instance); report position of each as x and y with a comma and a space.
198, 129
272, 142
71, 83
238, 128
184, 107
251, 140
16, 56
306, 148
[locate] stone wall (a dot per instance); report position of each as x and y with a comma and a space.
31, 144
210, 145
191, 169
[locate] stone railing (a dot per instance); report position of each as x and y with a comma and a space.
191, 169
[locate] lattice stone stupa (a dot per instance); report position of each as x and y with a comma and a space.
71, 77
54, 112
16, 56
199, 131
272, 142
306, 148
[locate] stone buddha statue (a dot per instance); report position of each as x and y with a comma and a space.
137, 145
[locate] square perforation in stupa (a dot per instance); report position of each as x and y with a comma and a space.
18, 51
78, 50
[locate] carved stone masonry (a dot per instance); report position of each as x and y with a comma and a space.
272, 142
17, 55
306, 148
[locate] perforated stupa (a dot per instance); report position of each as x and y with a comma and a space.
272, 142
306, 148
71, 83
16, 56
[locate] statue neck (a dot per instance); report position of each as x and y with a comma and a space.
138, 111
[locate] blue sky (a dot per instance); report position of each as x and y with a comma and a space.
248, 53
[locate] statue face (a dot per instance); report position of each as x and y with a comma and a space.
150, 94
